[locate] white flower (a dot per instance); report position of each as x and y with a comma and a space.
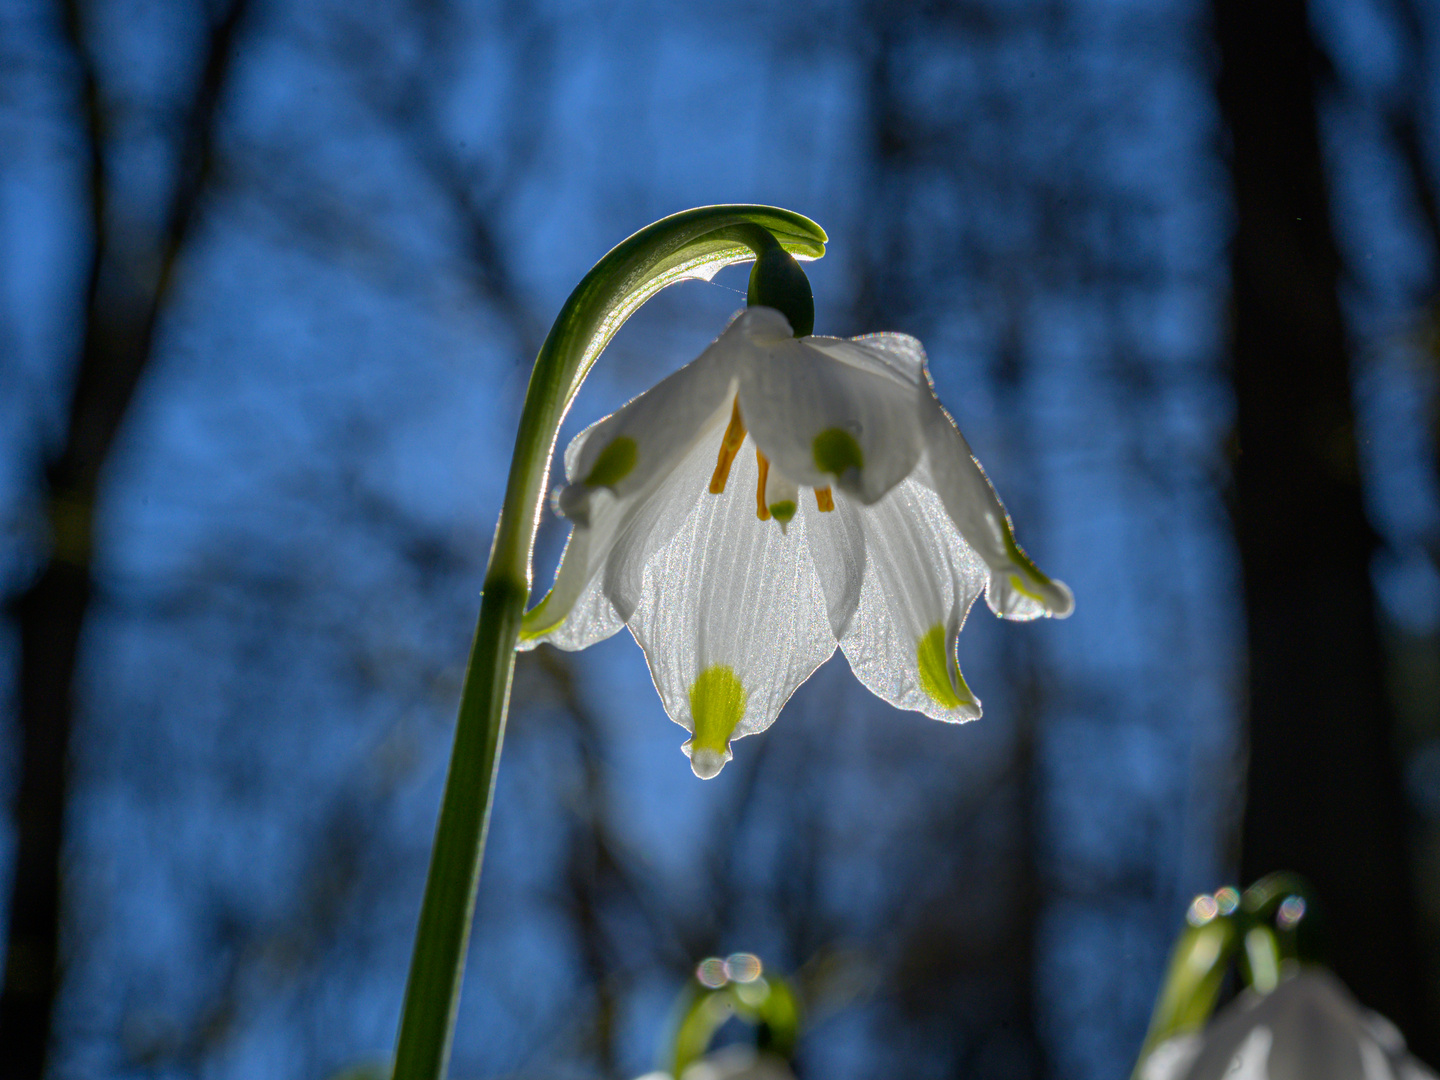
1307, 1028
737, 597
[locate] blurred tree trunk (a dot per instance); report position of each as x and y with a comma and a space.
1324, 795
126, 285
942, 963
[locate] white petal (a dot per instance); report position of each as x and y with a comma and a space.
837, 546
1308, 1027
575, 613
598, 583
919, 582
738, 1063
1252, 1060
732, 618
1171, 1059
637, 445
1374, 1063
1017, 589
826, 410
663, 514
893, 354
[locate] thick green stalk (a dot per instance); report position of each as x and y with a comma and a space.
691, 244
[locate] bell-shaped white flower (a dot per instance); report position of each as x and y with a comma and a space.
774, 497
1308, 1028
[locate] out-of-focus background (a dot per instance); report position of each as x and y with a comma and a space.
271, 279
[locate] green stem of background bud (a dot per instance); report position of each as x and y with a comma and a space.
1192, 981
692, 244
767, 1003
1282, 924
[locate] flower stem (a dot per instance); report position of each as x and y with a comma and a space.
433, 991
691, 244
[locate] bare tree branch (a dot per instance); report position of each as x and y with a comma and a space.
125, 293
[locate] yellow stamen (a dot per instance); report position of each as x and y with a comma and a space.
761, 510
824, 500
729, 446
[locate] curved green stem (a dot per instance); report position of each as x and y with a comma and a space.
695, 243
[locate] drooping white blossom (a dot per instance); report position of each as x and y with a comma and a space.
773, 498
1308, 1028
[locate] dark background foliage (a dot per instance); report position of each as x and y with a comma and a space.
270, 279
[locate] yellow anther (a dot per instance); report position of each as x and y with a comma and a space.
729, 446
824, 500
761, 510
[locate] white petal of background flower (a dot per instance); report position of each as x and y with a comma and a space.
1308, 1028
1251, 1061
730, 590
1171, 1059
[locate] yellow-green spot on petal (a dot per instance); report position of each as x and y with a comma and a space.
533, 618
1019, 585
717, 702
782, 511
1023, 561
614, 463
836, 452
935, 671
536, 622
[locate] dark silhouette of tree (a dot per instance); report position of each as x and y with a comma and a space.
128, 279
1323, 789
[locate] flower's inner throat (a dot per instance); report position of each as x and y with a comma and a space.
730, 446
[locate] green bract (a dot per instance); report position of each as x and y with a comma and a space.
761, 1000
778, 282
